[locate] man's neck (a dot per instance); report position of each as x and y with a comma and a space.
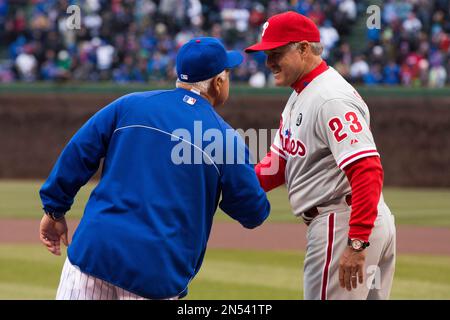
315, 61
187, 86
315, 68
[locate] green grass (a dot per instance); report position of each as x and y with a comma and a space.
20, 199
30, 272
424, 207
422, 277
238, 274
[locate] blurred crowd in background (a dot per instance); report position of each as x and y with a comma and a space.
137, 40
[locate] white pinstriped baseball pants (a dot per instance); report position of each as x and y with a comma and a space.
76, 285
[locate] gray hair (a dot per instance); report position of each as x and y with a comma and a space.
202, 86
316, 47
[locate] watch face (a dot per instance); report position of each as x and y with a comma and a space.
357, 244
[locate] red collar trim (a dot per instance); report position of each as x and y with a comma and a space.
301, 83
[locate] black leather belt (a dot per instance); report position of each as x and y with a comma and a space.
314, 212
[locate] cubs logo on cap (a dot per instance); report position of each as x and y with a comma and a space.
285, 28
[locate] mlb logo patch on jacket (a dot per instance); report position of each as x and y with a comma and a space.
189, 100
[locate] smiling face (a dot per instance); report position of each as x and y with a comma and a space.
286, 64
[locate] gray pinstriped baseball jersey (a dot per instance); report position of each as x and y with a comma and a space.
323, 129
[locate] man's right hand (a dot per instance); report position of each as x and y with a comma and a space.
51, 232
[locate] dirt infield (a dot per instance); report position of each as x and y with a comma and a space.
270, 236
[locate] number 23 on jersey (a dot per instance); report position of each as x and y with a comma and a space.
338, 127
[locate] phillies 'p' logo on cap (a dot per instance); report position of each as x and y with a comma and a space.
285, 28
264, 28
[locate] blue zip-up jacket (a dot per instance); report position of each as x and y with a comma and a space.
146, 225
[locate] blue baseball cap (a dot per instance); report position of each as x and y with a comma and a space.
203, 58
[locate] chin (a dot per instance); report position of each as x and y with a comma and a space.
280, 83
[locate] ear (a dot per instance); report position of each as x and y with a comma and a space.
216, 85
220, 82
304, 47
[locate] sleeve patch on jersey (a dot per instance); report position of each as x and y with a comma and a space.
356, 156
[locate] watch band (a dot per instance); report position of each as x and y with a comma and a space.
54, 215
357, 244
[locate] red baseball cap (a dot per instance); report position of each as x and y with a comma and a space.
284, 28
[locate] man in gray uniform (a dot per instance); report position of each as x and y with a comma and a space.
325, 153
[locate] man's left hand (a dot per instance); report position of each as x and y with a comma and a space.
351, 268
52, 232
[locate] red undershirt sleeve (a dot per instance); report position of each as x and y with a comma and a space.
270, 171
366, 180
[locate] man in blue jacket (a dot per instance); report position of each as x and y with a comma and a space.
145, 227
